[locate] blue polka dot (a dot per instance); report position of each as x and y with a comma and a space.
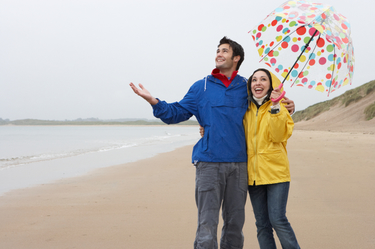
294, 73
328, 83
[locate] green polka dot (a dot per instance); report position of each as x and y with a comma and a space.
292, 24
264, 28
330, 48
275, 53
305, 73
306, 39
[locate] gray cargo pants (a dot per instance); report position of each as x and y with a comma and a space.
216, 185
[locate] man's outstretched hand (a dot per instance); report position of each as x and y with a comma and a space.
144, 93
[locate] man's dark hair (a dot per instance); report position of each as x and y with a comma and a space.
237, 49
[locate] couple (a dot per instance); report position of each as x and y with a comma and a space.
228, 158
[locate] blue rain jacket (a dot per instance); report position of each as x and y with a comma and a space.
220, 110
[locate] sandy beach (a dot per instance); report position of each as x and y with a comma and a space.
150, 203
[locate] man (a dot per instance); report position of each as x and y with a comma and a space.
219, 102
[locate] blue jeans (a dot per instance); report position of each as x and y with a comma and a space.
269, 204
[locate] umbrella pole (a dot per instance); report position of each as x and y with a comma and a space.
307, 44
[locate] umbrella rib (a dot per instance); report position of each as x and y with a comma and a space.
306, 62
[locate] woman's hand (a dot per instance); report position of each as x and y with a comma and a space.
275, 94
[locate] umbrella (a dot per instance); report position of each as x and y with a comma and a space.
307, 44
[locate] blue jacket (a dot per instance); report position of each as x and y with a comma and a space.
220, 110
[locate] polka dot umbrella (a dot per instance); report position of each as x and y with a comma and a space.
307, 44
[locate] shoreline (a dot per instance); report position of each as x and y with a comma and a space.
150, 203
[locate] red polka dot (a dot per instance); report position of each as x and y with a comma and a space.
274, 22
300, 75
312, 62
301, 30
344, 26
320, 42
271, 44
295, 48
270, 54
328, 76
284, 45
279, 28
322, 61
296, 66
260, 27
312, 31
339, 66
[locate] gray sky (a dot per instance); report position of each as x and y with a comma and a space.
68, 59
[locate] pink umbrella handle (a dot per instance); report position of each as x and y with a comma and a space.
281, 95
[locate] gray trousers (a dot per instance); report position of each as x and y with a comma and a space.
220, 185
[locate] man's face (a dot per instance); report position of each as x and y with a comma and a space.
223, 58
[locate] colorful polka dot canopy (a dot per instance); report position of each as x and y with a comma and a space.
307, 44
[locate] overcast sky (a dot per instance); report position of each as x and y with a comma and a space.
69, 59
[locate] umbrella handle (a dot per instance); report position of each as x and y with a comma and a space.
281, 95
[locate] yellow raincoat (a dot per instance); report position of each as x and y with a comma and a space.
266, 139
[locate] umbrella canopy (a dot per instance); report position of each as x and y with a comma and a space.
307, 44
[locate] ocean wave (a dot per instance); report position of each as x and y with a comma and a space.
101, 146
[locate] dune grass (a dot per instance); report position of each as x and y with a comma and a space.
347, 98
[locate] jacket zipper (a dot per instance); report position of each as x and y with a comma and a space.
255, 147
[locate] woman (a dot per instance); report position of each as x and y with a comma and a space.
268, 125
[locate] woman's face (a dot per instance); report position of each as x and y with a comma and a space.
260, 84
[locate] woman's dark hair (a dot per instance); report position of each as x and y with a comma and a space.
249, 85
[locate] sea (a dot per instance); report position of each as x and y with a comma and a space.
34, 155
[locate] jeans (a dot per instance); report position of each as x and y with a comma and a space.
220, 185
269, 204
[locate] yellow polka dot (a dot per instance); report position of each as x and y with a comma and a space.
260, 51
319, 88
